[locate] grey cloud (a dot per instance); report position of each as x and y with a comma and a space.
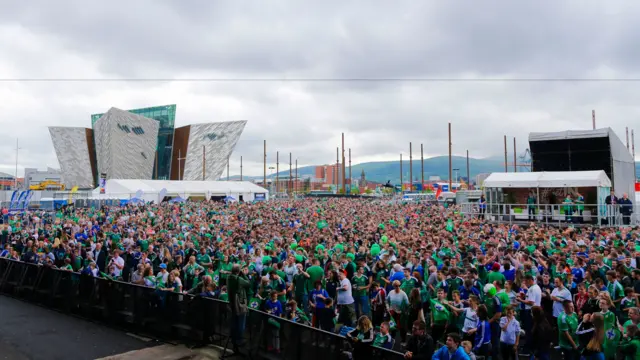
330, 39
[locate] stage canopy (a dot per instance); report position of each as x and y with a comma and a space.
559, 179
584, 150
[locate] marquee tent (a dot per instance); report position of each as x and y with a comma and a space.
151, 190
554, 179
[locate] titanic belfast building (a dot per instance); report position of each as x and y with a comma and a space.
143, 144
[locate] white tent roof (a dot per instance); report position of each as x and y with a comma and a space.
118, 186
555, 179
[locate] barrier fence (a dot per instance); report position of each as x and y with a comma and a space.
167, 316
552, 214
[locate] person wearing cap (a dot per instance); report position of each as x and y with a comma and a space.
495, 275
163, 274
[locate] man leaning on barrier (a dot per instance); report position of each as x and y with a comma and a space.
237, 285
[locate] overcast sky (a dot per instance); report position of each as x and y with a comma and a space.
488, 40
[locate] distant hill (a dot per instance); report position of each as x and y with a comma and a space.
383, 171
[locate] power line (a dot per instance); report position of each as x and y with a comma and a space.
326, 80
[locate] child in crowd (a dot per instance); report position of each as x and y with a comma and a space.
468, 348
509, 335
274, 307
326, 315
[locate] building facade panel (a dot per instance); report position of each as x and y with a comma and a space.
126, 145
180, 143
165, 115
217, 141
72, 150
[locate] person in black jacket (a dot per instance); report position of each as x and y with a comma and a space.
626, 209
611, 200
361, 339
420, 344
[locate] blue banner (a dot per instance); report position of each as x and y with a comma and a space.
27, 199
14, 197
259, 197
20, 200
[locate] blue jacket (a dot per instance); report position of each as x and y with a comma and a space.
443, 354
483, 334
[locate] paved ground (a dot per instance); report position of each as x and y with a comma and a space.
30, 332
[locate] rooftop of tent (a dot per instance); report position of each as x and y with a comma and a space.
132, 186
548, 179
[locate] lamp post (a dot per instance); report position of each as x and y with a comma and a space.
456, 170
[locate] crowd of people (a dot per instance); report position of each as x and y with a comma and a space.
418, 278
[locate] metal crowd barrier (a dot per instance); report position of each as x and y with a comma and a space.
551, 214
170, 317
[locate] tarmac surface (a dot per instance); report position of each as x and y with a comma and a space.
30, 332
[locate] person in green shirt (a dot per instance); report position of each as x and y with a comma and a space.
360, 292
629, 347
203, 258
626, 304
567, 326
634, 318
496, 275
568, 208
614, 287
299, 287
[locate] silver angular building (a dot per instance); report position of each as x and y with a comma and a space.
143, 144
126, 145
216, 141
74, 147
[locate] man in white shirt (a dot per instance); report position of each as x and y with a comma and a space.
118, 263
559, 295
347, 310
533, 298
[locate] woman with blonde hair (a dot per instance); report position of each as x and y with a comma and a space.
397, 302
362, 338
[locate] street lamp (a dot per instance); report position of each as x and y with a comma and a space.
456, 170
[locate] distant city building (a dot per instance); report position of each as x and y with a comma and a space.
143, 144
434, 178
7, 181
33, 176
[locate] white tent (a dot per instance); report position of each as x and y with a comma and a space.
555, 179
150, 190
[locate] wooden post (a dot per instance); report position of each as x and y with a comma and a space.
401, 182
468, 173
633, 153
515, 162
506, 162
344, 189
450, 162
410, 167
264, 174
422, 165
350, 178
627, 130
336, 182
